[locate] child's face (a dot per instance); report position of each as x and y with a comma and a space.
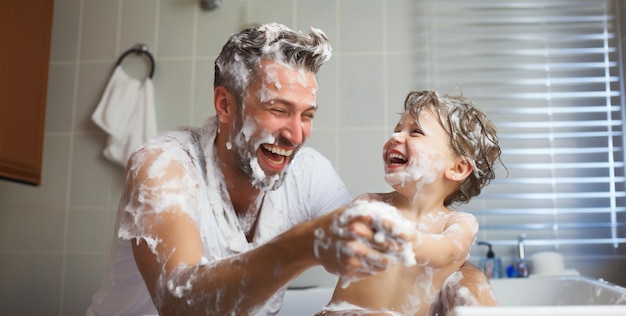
416, 155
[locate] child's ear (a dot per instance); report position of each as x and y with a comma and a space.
459, 171
224, 102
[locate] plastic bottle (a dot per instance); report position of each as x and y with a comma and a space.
491, 265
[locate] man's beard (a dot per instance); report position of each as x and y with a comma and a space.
249, 164
247, 161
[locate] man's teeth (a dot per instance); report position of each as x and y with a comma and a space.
278, 150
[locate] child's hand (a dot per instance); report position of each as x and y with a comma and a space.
366, 238
341, 248
388, 231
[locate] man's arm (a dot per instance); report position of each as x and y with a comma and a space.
466, 287
169, 253
180, 283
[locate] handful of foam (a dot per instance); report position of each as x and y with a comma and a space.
395, 224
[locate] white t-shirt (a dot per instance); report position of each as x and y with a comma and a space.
311, 188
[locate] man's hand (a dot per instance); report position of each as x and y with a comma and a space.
362, 240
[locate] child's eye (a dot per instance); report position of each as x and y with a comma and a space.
417, 131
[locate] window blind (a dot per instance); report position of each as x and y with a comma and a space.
547, 74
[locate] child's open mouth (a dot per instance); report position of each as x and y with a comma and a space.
396, 159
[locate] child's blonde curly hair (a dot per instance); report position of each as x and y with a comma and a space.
472, 136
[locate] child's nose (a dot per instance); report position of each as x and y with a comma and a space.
397, 138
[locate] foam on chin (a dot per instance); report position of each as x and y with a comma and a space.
420, 170
258, 177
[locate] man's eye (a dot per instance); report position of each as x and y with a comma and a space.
309, 116
278, 111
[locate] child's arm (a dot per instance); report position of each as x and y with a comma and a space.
450, 246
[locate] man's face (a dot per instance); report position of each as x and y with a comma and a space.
275, 122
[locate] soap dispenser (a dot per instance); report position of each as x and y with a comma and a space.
490, 265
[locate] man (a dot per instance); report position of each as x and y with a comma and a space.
217, 220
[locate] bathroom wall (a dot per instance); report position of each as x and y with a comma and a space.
54, 239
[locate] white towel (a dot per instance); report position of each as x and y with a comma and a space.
127, 113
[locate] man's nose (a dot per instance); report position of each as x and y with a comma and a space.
293, 130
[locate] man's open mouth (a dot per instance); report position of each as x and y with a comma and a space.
275, 155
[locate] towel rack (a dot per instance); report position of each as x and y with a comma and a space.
139, 49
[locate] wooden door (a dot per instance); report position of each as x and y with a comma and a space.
25, 31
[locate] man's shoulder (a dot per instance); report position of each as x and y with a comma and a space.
179, 145
180, 139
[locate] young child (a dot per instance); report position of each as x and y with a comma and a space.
442, 152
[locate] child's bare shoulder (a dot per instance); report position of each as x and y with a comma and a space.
462, 218
459, 215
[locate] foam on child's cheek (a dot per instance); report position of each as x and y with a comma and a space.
421, 170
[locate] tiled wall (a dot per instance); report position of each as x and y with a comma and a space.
54, 239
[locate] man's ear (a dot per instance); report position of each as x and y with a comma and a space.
459, 171
225, 105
